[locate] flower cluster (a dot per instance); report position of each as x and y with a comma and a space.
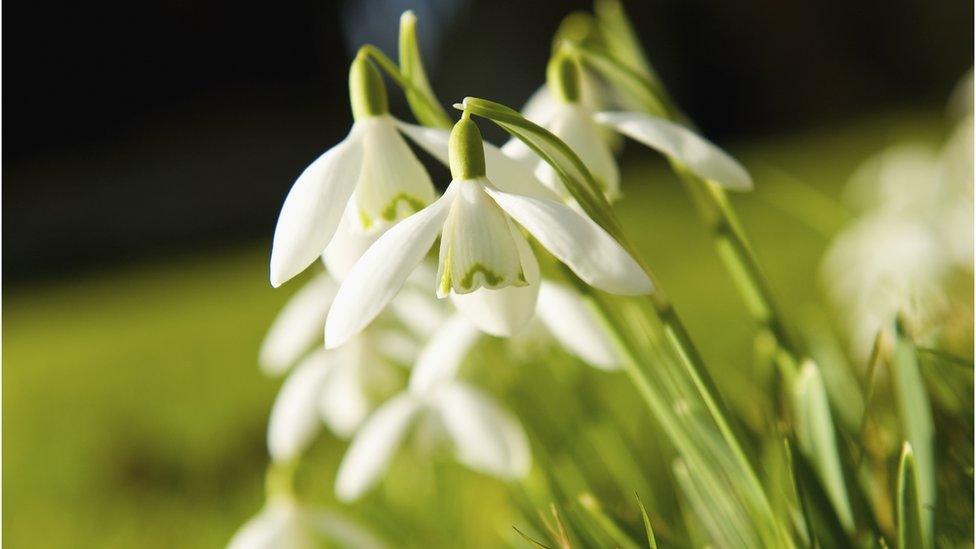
914, 228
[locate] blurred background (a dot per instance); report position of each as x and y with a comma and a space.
149, 146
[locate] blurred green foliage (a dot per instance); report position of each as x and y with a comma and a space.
134, 412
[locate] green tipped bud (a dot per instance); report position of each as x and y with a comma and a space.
563, 78
467, 151
367, 92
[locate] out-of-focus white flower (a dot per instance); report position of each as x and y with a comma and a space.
575, 326
955, 220
484, 436
372, 173
880, 266
486, 264
916, 225
902, 180
565, 112
298, 326
284, 523
334, 386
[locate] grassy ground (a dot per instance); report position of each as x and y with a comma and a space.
134, 413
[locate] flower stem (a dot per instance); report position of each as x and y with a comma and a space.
740, 261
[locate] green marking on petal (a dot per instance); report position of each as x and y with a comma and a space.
389, 212
491, 277
365, 220
445, 282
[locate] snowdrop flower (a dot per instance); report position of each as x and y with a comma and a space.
565, 112
284, 523
486, 265
334, 386
372, 171
484, 436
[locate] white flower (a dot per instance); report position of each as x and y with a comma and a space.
568, 114
486, 264
372, 172
485, 437
285, 524
334, 386
880, 266
298, 326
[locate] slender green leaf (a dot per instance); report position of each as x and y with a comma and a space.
817, 439
908, 506
915, 416
621, 40
424, 104
636, 88
607, 527
651, 541
823, 524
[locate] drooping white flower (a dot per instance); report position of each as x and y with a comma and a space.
334, 387
486, 264
372, 172
484, 436
565, 112
284, 523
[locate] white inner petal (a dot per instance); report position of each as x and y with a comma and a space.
477, 246
393, 183
574, 124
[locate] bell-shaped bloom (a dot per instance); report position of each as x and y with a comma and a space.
334, 387
486, 265
566, 112
284, 523
483, 435
372, 172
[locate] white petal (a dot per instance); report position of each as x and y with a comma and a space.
394, 345
393, 183
277, 525
578, 242
539, 109
298, 326
574, 125
699, 155
346, 532
313, 207
574, 325
418, 309
506, 173
486, 437
506, 311
380, 273
442, 356
541, 106
347, 246
477, 247
294, 419
341, 401
373, 447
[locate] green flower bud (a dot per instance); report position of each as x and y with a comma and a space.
466, 151
367, 92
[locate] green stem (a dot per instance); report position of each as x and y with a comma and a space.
394, 73
740, 261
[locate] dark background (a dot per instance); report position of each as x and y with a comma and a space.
136, 129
